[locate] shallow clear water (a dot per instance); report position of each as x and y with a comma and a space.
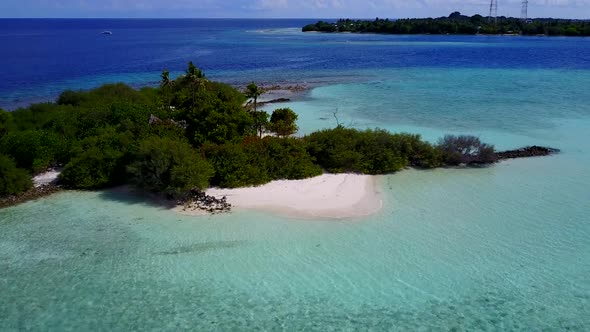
494, 248
499, 248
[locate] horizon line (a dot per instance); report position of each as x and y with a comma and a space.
263, 18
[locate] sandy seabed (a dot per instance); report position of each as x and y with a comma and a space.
328, 196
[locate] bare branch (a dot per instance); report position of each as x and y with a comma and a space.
335, 113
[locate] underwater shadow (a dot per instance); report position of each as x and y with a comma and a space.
133, 196
203, 247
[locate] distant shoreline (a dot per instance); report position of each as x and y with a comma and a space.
447, 34
457, 24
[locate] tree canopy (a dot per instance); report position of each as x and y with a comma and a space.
370, 151
165, 165
253, 92
466, 150
456, 23
283, 122
13, 180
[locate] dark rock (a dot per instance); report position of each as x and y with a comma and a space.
155, 120
278, 100
197, 199
526, 152
29, 195
274, 101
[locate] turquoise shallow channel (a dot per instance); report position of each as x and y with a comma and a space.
501, 248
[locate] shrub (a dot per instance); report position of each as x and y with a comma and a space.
93, 169
257, 161
38, 116
235, 166
467, 150
288, 159
170, 166
34, 150
99, 161
335, 149
71, 97
369, 151
5, 119
283, 122
13, 180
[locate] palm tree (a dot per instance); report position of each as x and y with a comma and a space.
260, 121
253, 92
165, 85
196, 78
165, 79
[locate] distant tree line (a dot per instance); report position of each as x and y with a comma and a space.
192, 133
457, 24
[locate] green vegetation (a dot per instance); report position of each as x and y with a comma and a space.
257, 161
34, 150
283, 122
465, 150
170, 166
5, 119
13, 180
99, 161
261, 123
370, 151
191, 133
253, 92
457, 24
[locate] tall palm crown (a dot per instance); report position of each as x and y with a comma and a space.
196, 78
165, 85
253, 92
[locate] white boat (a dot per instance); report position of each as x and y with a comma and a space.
106, 32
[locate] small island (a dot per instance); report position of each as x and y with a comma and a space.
457, 24
190, 134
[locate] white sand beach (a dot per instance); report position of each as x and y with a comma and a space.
329, 196
46, 178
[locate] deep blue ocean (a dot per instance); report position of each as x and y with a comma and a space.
500, 248
42, 57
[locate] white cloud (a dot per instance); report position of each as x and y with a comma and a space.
271, 4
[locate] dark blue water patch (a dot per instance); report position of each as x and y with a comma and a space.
42, 56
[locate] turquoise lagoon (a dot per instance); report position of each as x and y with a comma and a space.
502, 248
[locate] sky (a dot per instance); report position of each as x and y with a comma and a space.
283, 8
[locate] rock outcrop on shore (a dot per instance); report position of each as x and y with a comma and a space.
199, 200
274, 101
526, 152
287, 87
29, 195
